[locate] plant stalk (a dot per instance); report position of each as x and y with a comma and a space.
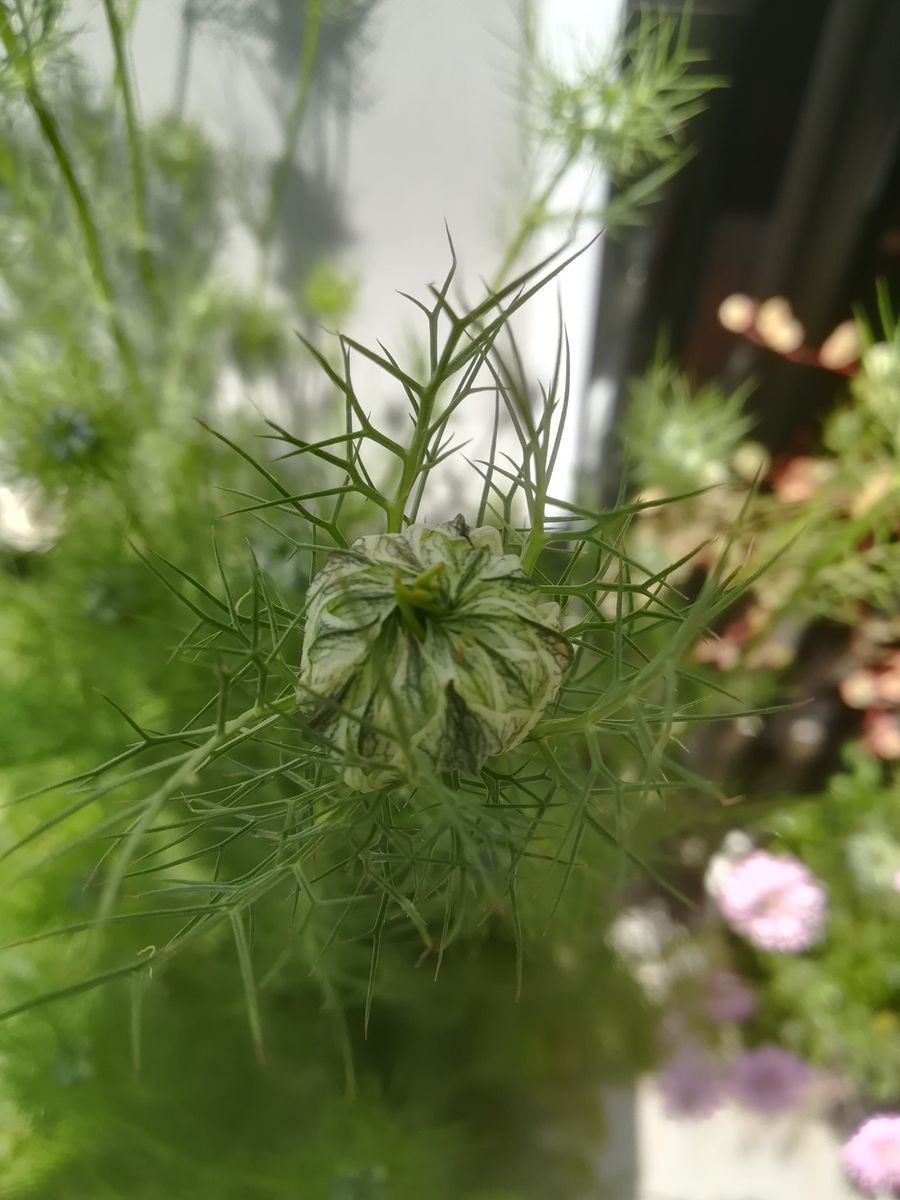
90, 236
530, 221
135, 156
185, 49
412, 460
305, 72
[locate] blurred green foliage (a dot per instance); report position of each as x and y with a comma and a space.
816, 636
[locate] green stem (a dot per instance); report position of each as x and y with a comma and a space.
135, 157
412, 460
397, 508
532, 218
256, 718
185, 49
50, 130
535, 543
557, 725
305, 72
530, 221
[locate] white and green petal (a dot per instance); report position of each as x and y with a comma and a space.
428, 645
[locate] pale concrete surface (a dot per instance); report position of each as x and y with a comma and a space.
434, 133
734, 1155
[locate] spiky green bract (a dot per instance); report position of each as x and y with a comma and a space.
434, 630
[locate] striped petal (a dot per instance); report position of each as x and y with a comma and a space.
465, 678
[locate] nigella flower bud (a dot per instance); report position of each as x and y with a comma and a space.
431, 643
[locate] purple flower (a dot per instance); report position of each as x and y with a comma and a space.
692, 1083
773, 901
872, 1156
769, 1080
727, 998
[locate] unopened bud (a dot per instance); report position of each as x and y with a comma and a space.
778, 327
736, 313
841, 347
751, 461
859, 689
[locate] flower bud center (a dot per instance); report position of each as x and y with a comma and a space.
423, 596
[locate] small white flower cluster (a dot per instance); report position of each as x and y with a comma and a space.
656, 948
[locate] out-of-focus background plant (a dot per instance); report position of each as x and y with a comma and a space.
782, 995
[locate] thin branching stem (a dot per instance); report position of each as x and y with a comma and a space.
413, 460
227, 733
305, 73
135, 154
532, 219
20, 56
185, 50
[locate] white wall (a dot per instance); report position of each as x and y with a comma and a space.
437, 136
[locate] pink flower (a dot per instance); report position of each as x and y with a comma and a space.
859, 689
692, 1083
774, 901
727, 998
872, 1156
881, 733
769, 1080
